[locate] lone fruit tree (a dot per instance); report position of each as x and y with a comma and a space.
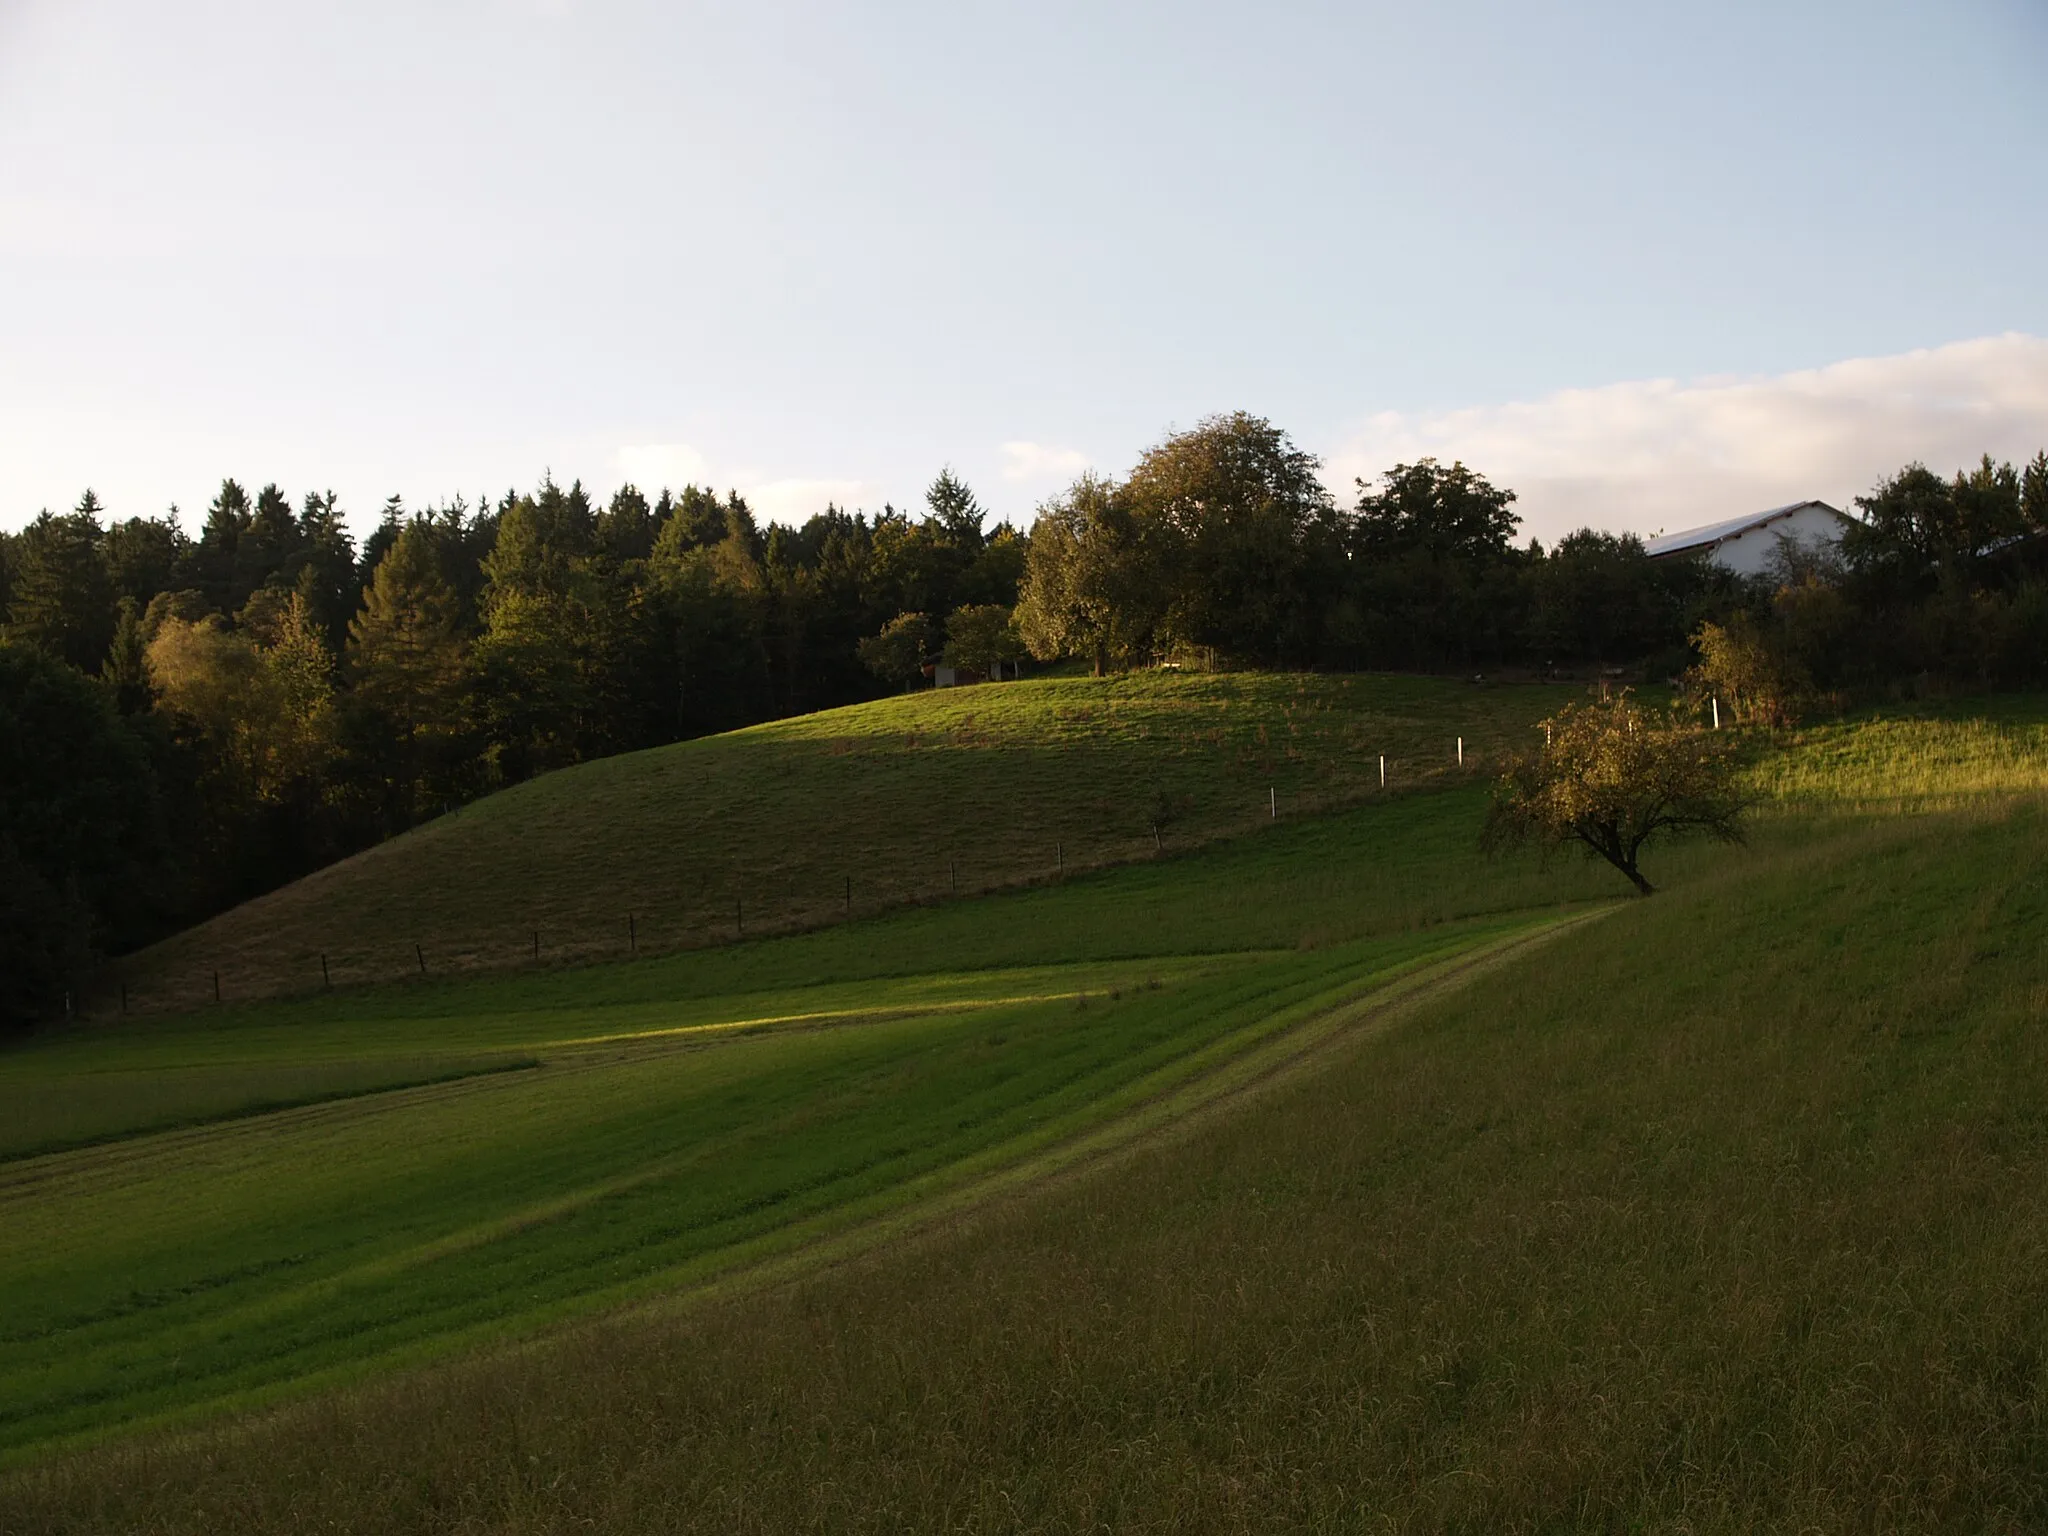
1610, 778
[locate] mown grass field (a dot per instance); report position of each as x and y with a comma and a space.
582, 1136
1720, 1211
854, 811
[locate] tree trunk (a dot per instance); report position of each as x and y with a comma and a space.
1636, 875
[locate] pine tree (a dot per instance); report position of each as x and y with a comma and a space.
62, 599
955, 509
214, 561
2034, 492
625, 529
405, 652
126, 669
327, 577
381, 538
146, 555
269, 552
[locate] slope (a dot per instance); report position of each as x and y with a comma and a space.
817, 819
413, 1169
1728, 1212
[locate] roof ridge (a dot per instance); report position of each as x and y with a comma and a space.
1728, 528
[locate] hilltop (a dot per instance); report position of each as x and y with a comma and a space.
844, 813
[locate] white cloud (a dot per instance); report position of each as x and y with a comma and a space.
1664, 454
795, 501
1036, 463
651, 466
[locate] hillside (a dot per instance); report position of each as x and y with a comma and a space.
853, 811
217, 1209
1323, 1179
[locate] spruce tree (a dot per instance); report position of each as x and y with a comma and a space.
405, 652
62, 599
227, 519
955, 509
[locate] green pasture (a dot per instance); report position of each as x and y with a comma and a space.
670, 1118
802, 823
1612, 1234
1727, 1212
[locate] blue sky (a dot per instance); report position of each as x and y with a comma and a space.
1648, 264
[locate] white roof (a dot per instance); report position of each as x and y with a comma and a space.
1719, 533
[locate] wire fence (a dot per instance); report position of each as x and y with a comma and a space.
809, 892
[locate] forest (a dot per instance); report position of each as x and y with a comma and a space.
189, 719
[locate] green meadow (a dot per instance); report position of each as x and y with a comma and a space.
1310, 1173
262, 1198
851, 812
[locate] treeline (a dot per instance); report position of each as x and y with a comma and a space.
1942, 583
188, 720
1224, 546
1224, 543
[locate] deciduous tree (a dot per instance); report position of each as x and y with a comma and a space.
1095, 579
1256, 548
900, 652
1610, 779
982, 637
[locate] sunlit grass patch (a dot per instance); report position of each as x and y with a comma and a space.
1913, 762
160, 1275
807, 823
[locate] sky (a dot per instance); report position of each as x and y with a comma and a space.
1650, 265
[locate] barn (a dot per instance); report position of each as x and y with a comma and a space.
1746, 545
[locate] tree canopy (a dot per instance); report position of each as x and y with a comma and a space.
1612, 778
294, 697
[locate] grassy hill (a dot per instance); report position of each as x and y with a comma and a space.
1330, 1178
846, 813
211, 1209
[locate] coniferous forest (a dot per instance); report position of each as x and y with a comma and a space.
189, 717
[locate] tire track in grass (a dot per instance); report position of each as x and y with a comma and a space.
1171, 1102
1283, 1039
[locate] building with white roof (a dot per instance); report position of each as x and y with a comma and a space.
1747, 545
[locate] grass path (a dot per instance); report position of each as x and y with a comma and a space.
225, 1265
1220, 1083
1724, 1213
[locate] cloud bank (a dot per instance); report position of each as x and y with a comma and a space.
1661, 454
1037, 464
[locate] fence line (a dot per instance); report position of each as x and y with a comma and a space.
583, 940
